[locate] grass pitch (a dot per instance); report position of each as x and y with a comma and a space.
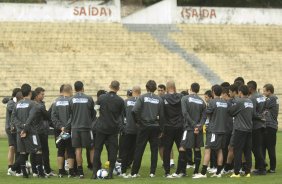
144, 171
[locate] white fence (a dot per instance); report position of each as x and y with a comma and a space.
164, 12
56, 11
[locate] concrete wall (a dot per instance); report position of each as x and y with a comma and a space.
160, 13
167, 12
213, 15
55, 11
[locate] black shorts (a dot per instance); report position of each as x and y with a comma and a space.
231, 143
215, 141
12, 138
82, 138
191, 140
28, 144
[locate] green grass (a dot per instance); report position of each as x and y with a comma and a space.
144, 171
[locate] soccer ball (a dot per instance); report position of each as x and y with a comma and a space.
102, 173
117, 170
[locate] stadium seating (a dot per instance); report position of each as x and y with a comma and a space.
253, 52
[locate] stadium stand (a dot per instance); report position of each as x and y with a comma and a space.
253, 52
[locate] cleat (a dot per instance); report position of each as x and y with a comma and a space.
259, 172
19, 174
51, 174
190, 166
169, 176
133, 176
12, 173
152, 175
271, 171
248, 175
178, 175
216, 176
43, 176
212, 170
227, 172
235, 175
126, 176
197, 176
242, 172
122, 175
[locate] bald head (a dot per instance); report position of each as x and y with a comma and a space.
136, 91
170, 87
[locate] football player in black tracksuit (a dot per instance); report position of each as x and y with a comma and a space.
209, 96
25, 117
217, 112
110, 108
130, 132
162, 91
229, 124
60, 115
89, 164
80, 123
189, 152
258, 127
271, 109
174, 124
242, 111
149, 117
43, 130
233, 92
193, 108
10, 131
121, 151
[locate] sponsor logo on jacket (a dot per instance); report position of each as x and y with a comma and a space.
221, 104
62, 103
195, 100
130, 103
248, 105
151, 100
260, 99
22, 105
80, 100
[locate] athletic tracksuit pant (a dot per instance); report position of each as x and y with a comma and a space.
242, 144
112, 141
43, 138
269, 144
147, 134
171, 135
128, 146
257, 148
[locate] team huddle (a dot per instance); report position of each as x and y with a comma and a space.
237, 121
